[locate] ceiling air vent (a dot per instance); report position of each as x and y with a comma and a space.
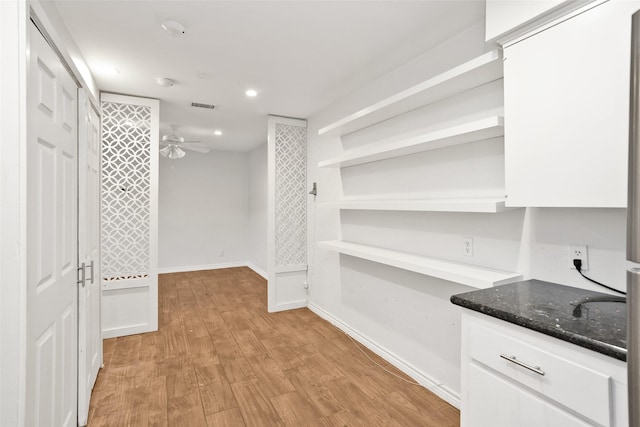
199, 105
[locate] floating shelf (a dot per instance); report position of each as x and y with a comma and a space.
465, 274
484, 205
478, 71
477, 130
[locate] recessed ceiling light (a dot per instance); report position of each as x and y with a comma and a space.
107, 70
172, 27
251, 93
217, 132
165, 82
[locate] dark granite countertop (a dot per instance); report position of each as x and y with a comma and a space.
549, 308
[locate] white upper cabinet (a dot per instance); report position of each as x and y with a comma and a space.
567, 111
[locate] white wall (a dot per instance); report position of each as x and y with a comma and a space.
408, 316
257, 233
551, 230
13, 277
203, 209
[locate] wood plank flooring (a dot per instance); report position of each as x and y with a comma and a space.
220, 359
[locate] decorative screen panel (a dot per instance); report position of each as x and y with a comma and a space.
126, 187
290, 195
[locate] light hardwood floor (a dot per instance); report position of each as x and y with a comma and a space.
220, 359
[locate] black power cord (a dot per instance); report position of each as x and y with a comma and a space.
578, 265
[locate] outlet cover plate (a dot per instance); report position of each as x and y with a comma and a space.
467, 246
579, 252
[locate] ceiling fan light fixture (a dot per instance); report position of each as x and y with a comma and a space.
176, 153
165, 151
165, 82
172, 152
172, 27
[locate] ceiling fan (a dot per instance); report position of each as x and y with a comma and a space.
173, 146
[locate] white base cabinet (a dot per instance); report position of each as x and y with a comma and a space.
512, 376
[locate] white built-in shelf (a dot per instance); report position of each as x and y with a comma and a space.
473, 73
476, 130
480, 205
469, 275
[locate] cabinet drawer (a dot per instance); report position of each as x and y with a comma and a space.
574, 386
516, 406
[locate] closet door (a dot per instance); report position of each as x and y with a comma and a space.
89, 333
52, 244
287, 213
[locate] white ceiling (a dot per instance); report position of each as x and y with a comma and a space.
299, 55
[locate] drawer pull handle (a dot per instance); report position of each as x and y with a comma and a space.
513, 359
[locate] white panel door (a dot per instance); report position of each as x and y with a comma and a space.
52, 246
287, 213
89, 332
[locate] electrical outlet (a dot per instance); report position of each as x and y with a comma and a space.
467, 246
221, 253
579, 252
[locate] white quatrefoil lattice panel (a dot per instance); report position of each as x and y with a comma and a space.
126, 185
290, 195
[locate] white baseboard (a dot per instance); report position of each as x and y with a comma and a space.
127, 330
187, 268
258, 270
289, 306
421, 377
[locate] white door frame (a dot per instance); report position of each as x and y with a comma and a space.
13, 199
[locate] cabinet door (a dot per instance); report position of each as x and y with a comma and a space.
567, 111
496, 402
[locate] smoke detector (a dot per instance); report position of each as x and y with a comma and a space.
172, 27
165, 82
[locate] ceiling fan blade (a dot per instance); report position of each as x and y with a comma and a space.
197, 149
